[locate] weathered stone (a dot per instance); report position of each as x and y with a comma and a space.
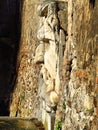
54, 97
88, 102
45, 33
51, 66
74, 64
47, 89
39, 53
57, 81
42, 9
62, 4
61, 50
63, 17
49, 23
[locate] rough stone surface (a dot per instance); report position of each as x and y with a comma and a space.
68, 75
24, 98
78, 103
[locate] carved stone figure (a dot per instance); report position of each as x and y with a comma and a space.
51, 32
40, 51
49, 21
48, 33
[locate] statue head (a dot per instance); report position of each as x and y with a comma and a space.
42, 9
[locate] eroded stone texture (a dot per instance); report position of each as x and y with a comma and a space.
78, 103
24, 99
53, 32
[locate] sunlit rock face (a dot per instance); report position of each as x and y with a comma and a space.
80, 95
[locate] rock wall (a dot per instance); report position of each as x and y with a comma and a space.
58, 64
23, 102
78, 108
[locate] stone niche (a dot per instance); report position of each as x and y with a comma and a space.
49, 53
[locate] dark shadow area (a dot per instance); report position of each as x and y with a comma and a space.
92, 2
10, 32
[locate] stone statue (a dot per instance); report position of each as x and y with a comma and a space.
49, 20
48, 28
51, 39
48, 37
51, 36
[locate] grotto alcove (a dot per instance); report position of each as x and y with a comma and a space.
10, 31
